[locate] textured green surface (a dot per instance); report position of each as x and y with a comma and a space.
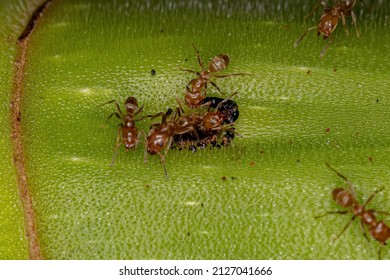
85, 53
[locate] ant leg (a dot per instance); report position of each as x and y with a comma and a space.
355, 23
157, 115
331, 212
140, 133
217, 87
304, 34
372, 196
164, 156
344, 24
326, 47
139, 110
314, 9
141, 118
176, 114
110, 116
117, 144
381, 212
343, 177
226, 99
346, 226
198, 57
231, 74
363, 230
380, 250
116, 105
189, 70
180, 102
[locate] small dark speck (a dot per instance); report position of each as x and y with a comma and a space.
298, 161
370, 159
234, 178
308, 72
153, 72
188, 234
223, 178
186, 59
202, 204
334, 70
327, 130
252, 163
377, 100
162, 30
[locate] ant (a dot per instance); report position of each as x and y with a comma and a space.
347, 199
160, 136
196, 89
329, 20
127, 129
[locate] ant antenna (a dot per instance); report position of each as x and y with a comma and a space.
349, 183
304, 34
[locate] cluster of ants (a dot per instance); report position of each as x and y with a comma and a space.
200, 129
214, 127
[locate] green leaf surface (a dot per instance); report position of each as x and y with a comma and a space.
253, 200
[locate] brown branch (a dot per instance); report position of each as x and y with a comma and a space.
16, 133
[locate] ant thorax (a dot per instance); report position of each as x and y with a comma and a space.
205, 75
128, 122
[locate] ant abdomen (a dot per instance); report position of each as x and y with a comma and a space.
219, 63
343, 197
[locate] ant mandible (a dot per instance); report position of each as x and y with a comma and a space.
196, 89
329, 20
127, 129
347, 199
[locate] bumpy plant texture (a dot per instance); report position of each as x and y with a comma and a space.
253, 200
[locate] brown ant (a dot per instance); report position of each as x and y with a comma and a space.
347, 199
196, 89
329, 20
160, 136
127, 129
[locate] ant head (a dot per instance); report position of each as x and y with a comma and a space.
131, 104
219, 63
